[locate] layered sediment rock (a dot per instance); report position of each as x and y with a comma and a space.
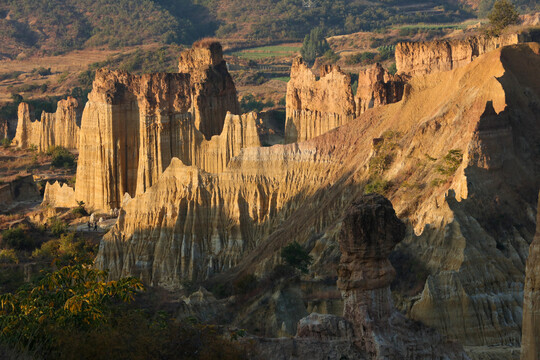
369, 232
315, 106
190, 224
376, 87
16, 189
58, 129
530, 340
59, 195
213, 93
416, 58
133, 126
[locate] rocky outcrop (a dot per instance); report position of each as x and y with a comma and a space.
59, 195
532, 19
376, 87
469, 204
8, 127
530, 341
369, 232
133, 126
213, 93
58, 129
16, 189
417, 58
315, 106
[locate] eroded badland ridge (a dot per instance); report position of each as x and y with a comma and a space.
453, 144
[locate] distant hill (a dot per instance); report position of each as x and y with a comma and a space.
292, 19
56, 26
62, 25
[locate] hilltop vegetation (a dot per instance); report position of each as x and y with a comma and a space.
62, 25
293, 19
56, 26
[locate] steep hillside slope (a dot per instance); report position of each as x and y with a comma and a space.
59, 26
64, 25
458, 157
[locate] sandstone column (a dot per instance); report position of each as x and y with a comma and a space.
369, 232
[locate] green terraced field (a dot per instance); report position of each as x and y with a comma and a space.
267, 52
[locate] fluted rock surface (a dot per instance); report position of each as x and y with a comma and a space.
470, 216
59, 195
416, 58
132, 126
58, 129
316, 106
369, 232
376, 87
212, 88
530, 341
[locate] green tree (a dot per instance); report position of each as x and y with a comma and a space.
296, 256
314, 45
76, 297
17, 239
503, 14
61, 157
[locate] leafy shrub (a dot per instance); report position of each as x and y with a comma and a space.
66, 249
8, 256
5, 143
245, 284
61, 157
11, 278
296, 256
360, 58
281, 271
57, 226
392, 69
451, 162
17, 239
10, 75
80, 210
386, 52
74, 296
384, 152
222, 290
41, 71
137, 335
250, 103
378, 186
381, 162
437, 182
330, 57
47, 251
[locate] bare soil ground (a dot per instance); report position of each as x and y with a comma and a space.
65, 68
16, 162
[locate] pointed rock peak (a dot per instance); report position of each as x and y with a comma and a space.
204, 53
327, 69
24, 110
